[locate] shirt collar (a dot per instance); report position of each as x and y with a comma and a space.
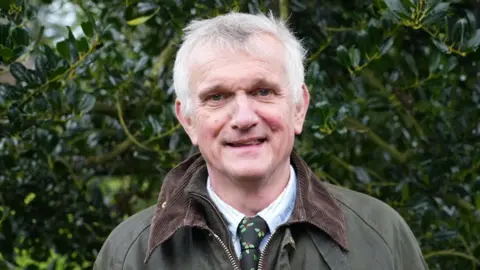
277, 213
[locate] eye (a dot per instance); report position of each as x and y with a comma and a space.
263, 92
216, 97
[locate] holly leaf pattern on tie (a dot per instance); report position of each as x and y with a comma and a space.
247, 245
260, 233
251, 231
244, 226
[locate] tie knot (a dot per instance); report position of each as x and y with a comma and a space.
251, 231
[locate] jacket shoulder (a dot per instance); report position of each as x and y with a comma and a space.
372, 211
384, 221
122, 238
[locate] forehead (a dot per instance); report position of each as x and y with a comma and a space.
262, 59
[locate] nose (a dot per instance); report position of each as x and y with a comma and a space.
244, 116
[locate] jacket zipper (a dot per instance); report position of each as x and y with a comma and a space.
229, 254
224, 246
262, 255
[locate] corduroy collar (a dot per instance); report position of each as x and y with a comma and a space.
178, 204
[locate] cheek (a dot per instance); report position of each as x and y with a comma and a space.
209, 126
276, 121
278, 116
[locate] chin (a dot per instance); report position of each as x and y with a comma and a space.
248, 173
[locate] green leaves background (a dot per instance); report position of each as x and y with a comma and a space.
87, 130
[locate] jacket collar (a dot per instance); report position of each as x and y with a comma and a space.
184, 197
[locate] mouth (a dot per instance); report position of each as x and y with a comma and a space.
245, 143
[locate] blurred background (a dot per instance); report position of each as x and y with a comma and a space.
87, 130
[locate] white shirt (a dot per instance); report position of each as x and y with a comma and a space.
277, 213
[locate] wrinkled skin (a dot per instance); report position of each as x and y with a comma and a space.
244, 120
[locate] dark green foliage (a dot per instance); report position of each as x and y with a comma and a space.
87, 130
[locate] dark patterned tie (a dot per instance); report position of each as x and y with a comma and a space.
251, 232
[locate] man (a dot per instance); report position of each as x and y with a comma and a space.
247, 200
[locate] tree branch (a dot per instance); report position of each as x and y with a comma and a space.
373, 80
376, 139
44, 87
118, 150
165, 56
124, 125
124, 145
283, 9
320, 49
450, 252
160, 136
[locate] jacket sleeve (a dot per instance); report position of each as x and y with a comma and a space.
106, 258
407, 252
125, 246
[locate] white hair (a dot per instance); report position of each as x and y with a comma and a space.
233, 30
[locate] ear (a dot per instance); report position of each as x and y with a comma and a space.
186, 121
301, 110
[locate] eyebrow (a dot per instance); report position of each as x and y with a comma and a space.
218, 86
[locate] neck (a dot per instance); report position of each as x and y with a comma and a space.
250, 196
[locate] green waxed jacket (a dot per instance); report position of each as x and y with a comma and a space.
331, 228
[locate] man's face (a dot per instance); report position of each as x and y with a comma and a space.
244, 119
